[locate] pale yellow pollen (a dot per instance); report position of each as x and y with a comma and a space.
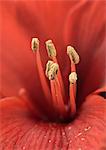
35, 44
73, 77
74, 57
50, 48
51, 70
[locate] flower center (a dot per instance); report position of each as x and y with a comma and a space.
55, 95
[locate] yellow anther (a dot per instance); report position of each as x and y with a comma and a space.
74, 57
50, 48
35, 44
73, 77
51, 70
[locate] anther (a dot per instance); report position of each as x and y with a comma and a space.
35, 44
51, 70
74, 57
50, 48
73, 77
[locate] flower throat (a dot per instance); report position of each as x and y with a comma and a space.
55, 94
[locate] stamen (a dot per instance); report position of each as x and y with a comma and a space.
54, 75
74, 57
52, 54
35, 48
72, 89
51, 73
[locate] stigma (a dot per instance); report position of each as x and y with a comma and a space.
55, 92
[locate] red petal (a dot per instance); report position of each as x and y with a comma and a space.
20, 22
21, 131
89, 126
85, 29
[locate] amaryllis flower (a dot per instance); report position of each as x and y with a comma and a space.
53, 96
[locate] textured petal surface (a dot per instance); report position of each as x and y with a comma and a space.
86, 132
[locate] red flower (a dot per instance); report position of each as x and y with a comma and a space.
29, 120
